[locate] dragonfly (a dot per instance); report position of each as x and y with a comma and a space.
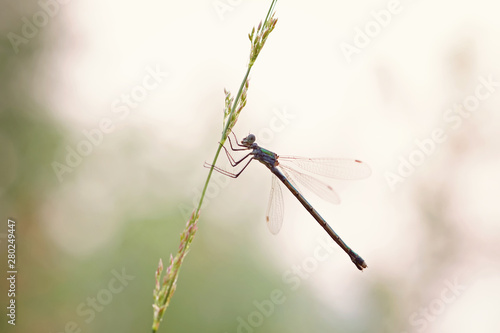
284, 169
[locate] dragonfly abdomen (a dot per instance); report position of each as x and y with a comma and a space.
355, 258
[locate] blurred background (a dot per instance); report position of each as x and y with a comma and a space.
109, 108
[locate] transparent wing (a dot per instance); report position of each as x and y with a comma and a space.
337, 168
316, 186
274, 214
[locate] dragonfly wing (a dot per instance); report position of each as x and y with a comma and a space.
275, 208
316, 186
337, 168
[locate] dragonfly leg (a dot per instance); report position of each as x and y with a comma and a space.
222, 171
237, 144
227, 173
231, 159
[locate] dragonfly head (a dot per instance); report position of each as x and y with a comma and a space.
248, 141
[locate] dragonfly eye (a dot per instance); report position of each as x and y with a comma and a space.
249, 140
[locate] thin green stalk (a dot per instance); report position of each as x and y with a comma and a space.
223, 139
225, 132
270, 11
163, 291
